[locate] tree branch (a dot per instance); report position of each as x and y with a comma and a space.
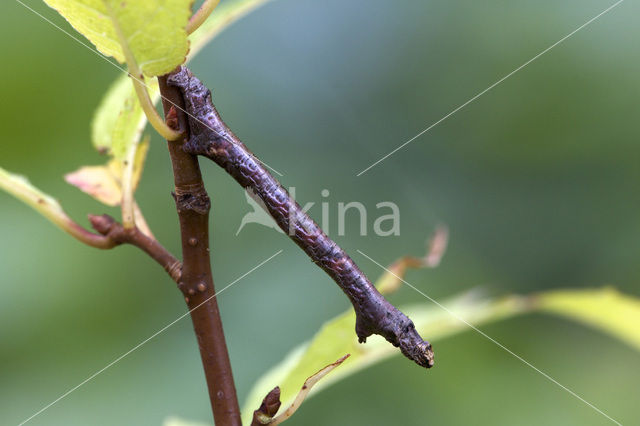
196, 283
211, 138
118, 234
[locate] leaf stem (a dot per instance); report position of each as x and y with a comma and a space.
49, 207
304, 392
138, 83
201, 15
127, 203
83, 235
141, 222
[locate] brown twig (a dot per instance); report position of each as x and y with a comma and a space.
211, 138
196, 283
118, 234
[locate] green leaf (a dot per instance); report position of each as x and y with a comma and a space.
337, 337
22, 189
174, 421
604, 309
119, 120
304, 391
154, 29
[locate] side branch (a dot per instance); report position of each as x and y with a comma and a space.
118, 234
211, 138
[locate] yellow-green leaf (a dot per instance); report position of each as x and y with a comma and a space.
154, 29
119, 120
22, 189
604, 309
304, 391
337, 337
174, 421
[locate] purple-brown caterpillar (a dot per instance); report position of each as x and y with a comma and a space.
210, 137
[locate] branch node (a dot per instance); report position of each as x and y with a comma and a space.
192, 197
117, 234
174, 270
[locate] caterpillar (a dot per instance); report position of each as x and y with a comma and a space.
210, 137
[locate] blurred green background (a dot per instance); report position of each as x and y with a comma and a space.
537, 181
